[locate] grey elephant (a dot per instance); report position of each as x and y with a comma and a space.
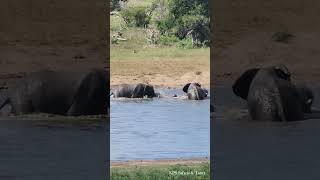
139, 90
64, 93
271, 95
195, 91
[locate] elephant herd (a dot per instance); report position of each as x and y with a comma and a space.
194, 91
74, 93
269, 92
272, 96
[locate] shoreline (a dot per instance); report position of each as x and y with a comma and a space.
178, 86
159, 162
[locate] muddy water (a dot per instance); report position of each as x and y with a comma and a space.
249, 150
37, 150
159, 128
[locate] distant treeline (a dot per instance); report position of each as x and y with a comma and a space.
174, 20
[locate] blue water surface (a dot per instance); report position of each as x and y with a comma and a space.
159, 128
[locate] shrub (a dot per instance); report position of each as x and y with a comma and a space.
283, 37
186, 16
168, 40
114, 5
136, 16
185, 43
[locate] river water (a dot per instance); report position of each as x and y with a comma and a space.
38, 150
159, 128
245, 149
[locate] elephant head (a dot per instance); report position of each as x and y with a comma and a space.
242, 84
143, 90
271, 95
195, 91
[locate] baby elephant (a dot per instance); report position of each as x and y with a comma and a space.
195, 92
134, 91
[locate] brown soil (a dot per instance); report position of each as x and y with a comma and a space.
162, 73
243, 33
51, 34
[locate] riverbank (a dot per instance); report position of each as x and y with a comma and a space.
264, 33
163, 67
162, 162
197, 168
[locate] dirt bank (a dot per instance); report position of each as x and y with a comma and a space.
51, 34
173, 73
243, 33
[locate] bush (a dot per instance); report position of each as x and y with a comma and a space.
168, 40
185, 43
114, 5
136, 16
283, 37
186, 16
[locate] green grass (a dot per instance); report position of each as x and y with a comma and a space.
168, 53
137, 47
173, 172
140, 3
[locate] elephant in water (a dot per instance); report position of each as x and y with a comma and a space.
195, 92
64, 93
134, 91
271, 95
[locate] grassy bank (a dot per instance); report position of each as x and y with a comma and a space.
162, 172
135, 60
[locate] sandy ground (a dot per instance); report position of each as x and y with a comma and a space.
242, 32
150, 163
163, 73
51, 34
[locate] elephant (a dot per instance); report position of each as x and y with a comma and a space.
271, 96
139, 90
58, 92
195, 91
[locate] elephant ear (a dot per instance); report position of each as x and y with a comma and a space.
138, 91
242, 84
91, 96
186, 87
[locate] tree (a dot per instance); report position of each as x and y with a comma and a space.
187, 18
114, 5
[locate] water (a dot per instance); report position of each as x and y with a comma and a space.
37, 150
159, 128
267, 150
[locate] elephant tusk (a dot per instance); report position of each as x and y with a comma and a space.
309, 101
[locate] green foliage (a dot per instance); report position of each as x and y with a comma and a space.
168, 40
162, 173
115, 5
114, 40
282, 36
136, 16
185, 43
185, 16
